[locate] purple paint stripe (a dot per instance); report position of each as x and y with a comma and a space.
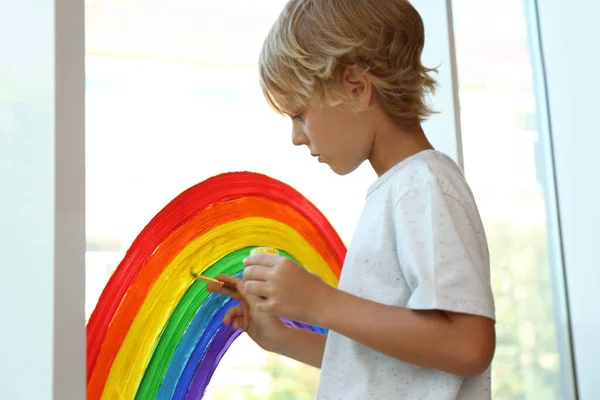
217, 348
213, 355
199, 352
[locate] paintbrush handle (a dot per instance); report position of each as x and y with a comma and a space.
225, 285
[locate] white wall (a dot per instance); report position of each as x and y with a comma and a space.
569, 33
41, 201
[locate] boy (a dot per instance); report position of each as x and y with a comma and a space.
413, 316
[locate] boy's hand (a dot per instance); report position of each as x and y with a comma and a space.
283, 288
263, 328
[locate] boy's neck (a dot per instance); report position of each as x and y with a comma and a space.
394, 143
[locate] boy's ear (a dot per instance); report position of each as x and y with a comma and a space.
358, 85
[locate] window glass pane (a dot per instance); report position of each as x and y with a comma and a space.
503, 160
173, 98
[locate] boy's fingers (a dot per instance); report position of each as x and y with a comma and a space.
227, 318
234, 281
238, 323
267, 260
214, 288
230, 280
231, 314
256, 288
257, 272
238, 317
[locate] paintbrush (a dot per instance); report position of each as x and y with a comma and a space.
217, 282
228, 286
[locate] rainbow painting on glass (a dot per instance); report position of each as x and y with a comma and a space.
156, 332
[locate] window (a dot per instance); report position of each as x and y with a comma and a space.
503, 148
173, 98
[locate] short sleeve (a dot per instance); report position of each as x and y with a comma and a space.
442, 251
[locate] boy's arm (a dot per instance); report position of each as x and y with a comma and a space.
459, 344
301, 345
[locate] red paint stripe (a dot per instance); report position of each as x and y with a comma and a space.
221, 188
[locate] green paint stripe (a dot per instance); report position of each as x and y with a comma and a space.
181, 318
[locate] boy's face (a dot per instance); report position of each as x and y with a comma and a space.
340, 138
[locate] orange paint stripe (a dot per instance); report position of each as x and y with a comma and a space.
200, 224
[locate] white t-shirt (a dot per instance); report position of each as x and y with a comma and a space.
419, 244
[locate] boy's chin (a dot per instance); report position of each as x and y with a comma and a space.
342, 169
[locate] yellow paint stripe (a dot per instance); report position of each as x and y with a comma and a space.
133, 357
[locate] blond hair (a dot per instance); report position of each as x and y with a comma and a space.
314, 41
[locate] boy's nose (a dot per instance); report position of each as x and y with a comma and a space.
298, 137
